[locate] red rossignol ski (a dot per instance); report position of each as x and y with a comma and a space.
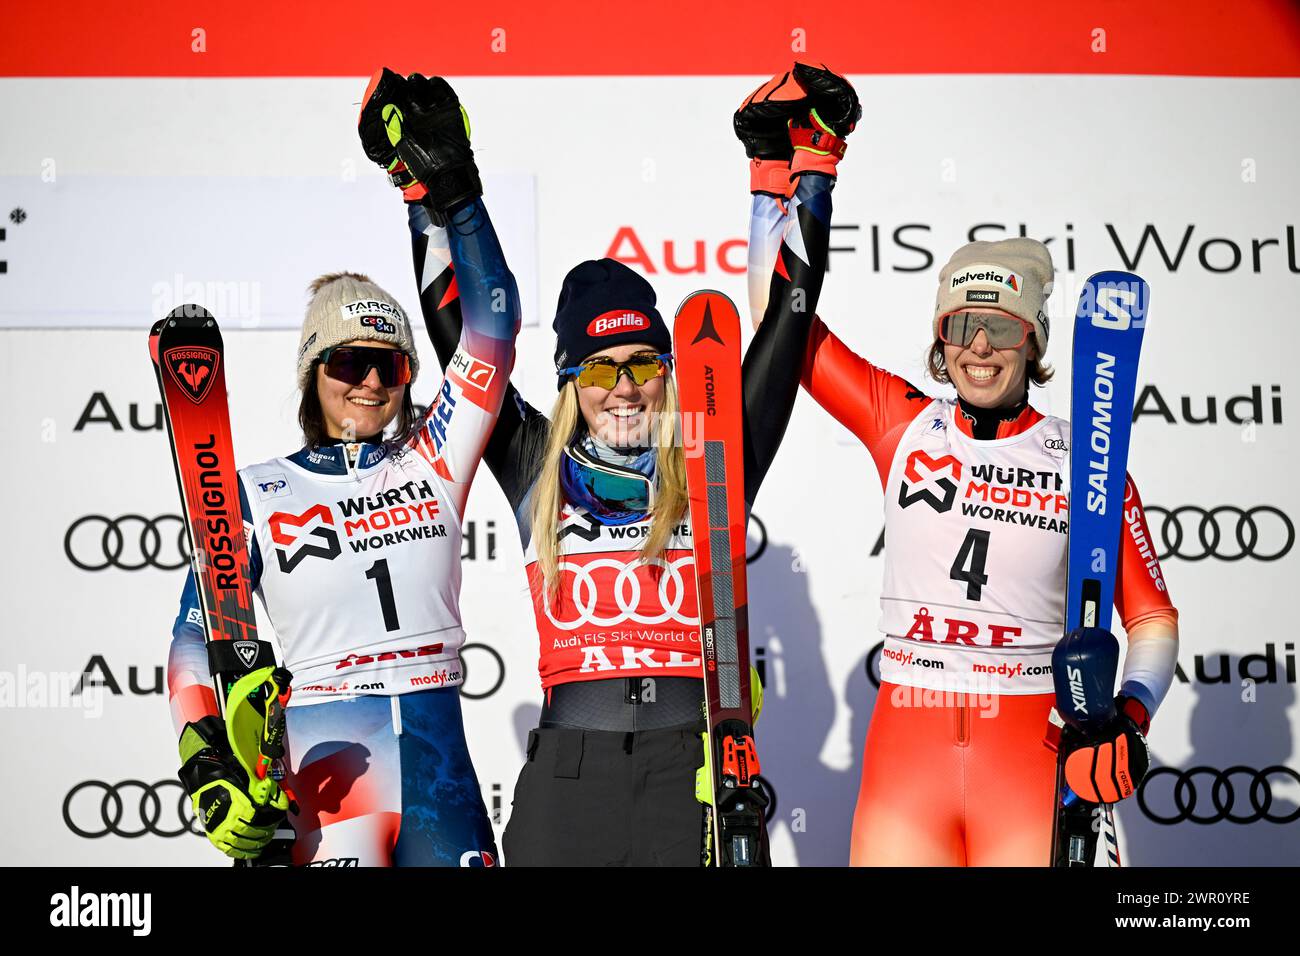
187, 353
706, 334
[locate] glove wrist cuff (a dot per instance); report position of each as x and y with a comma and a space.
816, 150
1133, 709
770, 177
453, 187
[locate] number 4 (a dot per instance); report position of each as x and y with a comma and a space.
976, 550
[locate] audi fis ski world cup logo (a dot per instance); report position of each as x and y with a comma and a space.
474, 371
130, 809
193, 368
619, 320
129, 542
932, 480
1209, 795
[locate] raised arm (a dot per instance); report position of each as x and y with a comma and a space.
772, 363
416, 130
461, 418
793, 129
788, 244
511, 450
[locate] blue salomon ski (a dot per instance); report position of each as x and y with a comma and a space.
1108, 327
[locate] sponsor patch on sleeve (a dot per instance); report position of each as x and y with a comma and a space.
474, 371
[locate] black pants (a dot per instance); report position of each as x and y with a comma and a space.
607, 798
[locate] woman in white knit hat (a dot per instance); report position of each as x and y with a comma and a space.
355, 547
957, 770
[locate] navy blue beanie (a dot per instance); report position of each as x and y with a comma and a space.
604, 303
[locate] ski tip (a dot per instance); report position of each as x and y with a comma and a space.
706, 316
704, 292
1114, 276
1114, 299
154, 331
188, 313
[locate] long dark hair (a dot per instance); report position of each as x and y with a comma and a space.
311, 417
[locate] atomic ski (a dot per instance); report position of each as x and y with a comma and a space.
706, 334
1108, 327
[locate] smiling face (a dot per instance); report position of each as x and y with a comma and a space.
987, 377
354, 412
621, 416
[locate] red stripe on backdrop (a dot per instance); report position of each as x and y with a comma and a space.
498, 38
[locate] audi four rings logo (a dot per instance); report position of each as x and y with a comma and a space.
1214, 794
1227, 532
129, 543
121, 813
769, 812
872, 664
755, 539
493, 664
627, 592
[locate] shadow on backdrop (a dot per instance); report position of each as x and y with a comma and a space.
814, 801
1235, 801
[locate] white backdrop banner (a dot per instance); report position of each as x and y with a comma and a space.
237, 199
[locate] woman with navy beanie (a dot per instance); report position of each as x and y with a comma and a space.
598, 488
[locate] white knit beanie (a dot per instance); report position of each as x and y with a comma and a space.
345, 307
1013, 275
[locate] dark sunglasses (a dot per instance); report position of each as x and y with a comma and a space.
352, 363
604, 372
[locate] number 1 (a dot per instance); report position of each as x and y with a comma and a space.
378, 572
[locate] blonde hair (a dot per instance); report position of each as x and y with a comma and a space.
671, 499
